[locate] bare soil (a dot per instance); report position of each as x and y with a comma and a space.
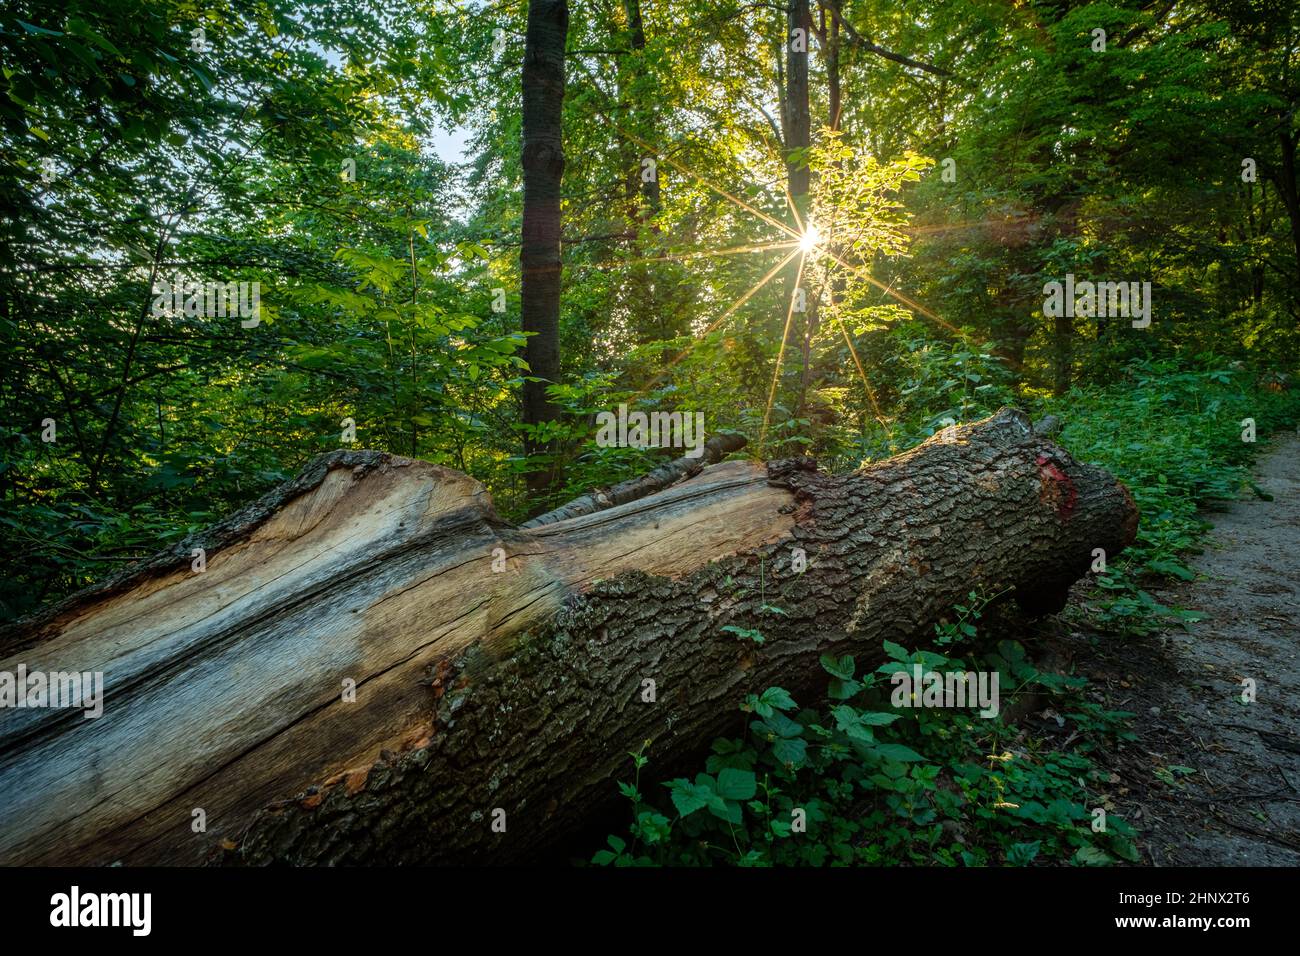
1211, 779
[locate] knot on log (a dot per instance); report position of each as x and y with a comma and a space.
781, 470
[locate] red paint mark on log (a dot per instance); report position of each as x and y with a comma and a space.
1058, 486
438, 682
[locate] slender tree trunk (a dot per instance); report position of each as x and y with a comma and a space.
1289, 186
636, 32
539, 256
798, 132
647, 318
110, 429
830, 40
1013, 329
1063, 353
1063, 209
832, 46
798, 137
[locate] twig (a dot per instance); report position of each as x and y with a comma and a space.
1256, 831
715, 449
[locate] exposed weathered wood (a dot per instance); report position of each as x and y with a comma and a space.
516, 689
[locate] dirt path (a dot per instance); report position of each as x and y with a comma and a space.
1211, 780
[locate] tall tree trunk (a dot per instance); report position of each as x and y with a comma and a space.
375, 668
648, 321
830, 42
832, 45
1288, 184
798, 137
539, 255
1062, 353
798, 131
636, 34
1063, 210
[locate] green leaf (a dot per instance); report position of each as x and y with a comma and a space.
898, 752
1091, 856
896, 652
745, 633
843, 667
848, 721
736, 784
779, 725
203, 77
1174, 568
81, 28
842, 689
1022, 854
790, 751
39, 31
728, 810
688, 797
778, 698
878, 718
1124, 848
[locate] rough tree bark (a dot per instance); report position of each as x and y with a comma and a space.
637, 94
636, 35
542, 158
798, 130
497, 668
798, 138
828, 34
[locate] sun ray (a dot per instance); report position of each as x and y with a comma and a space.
731, 310
848, 340
794, 210
910, 303
752, 291
871, 395
780, 355
698, 254
889, 291
805, 242
683, 168
966, 224
680, 167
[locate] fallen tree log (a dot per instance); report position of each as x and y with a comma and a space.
373, 667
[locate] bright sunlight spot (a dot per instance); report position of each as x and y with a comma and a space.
808, 241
